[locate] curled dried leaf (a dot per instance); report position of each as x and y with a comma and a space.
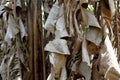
89, 18
22, 29
60, 25
58, 46
60, 28
12, 29
58, 64
94, 35
108, 8
109, 66
85, 69
52, 18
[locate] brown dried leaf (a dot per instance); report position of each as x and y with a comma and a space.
112, 7
108, 8
93, 49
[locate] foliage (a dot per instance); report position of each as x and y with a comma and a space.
13, 42
87, 56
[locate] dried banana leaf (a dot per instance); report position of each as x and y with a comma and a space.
52, 18
85, 68
12, 29
94, 35
58, 65
58, 46
109, 66
61, 31
89, 18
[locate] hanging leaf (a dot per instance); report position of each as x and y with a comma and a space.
13, 55
108, 8
58, 46
58, 64
89, 18
94, 35
85, 55
60, 25
60, 28
108, 63
85, 69
52, 18
18, 3
12, 29
22, 29
112, 7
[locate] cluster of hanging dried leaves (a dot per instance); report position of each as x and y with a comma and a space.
84, 43
13, 36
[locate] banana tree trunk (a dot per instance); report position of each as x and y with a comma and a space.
36, 58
